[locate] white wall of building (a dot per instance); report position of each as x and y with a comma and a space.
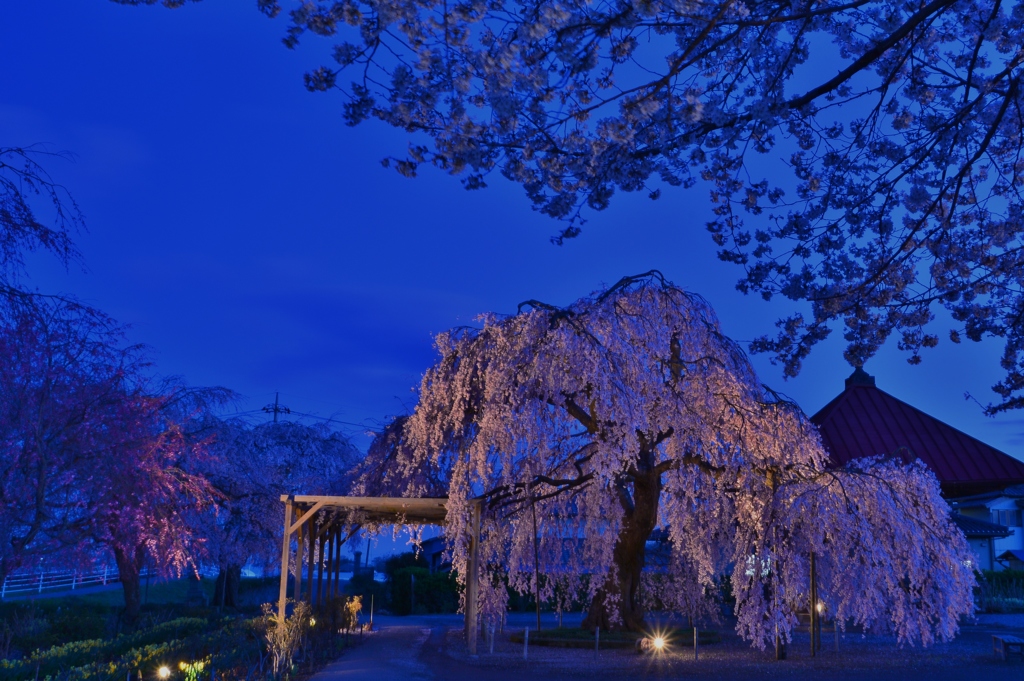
1004, 511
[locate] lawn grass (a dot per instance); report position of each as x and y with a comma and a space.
159, 592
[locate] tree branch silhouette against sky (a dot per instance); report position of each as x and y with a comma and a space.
903, 142
231, 197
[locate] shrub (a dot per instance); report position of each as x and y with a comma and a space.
372, 593
1001, 591
435, 593
53, 660
214, 648
349, 611
284, 637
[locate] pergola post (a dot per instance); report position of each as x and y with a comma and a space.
337, 558
329, 562
473, 579
285, 560
320, 572
312, 557
299, 549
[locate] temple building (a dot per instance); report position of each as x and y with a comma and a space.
976, 478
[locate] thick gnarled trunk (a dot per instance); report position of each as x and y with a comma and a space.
129, 567
616, 605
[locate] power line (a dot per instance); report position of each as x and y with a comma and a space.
330, 420
277, 408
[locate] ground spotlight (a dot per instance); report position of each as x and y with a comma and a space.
653, 643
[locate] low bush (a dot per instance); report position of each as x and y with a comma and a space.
1001, 592
372, 593
434, 592
202, 639
50, 661
31, 625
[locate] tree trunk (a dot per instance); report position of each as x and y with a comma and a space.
616, 605
129, 565
226, 590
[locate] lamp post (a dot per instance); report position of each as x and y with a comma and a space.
820, 607
812, 607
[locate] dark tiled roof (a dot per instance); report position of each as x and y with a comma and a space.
865, 421
974, 528
1014, 554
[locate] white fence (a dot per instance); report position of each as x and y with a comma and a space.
35, 583
28, 584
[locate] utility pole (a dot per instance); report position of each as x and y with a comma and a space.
276, 407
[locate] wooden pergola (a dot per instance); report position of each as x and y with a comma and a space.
337, 515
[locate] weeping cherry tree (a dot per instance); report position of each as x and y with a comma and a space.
583, 428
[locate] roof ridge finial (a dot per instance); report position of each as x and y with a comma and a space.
861, 378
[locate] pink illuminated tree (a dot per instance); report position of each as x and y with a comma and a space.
143, 498
630, 410
91, 448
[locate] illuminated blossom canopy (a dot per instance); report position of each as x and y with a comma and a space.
629, 410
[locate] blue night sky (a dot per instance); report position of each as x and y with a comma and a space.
252, 240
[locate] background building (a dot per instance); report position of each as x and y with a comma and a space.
984, 485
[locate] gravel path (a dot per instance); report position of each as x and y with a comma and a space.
429, 648
389, 654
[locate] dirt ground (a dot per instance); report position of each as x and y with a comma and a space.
443, 655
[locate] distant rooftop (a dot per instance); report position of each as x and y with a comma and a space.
1015, 492
977, 529
866, 421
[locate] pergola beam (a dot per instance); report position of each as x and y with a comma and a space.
298, 523
386, 510
431, 511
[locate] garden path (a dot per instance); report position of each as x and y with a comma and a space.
389, 654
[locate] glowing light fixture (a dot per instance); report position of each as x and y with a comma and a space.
820, 606
312, 621
655, 643
164, 672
